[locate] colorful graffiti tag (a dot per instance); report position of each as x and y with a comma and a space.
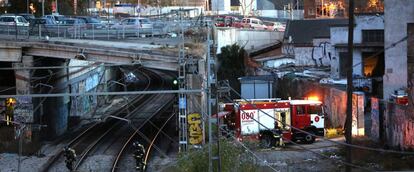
195, 129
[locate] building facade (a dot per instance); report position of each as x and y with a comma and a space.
368, 59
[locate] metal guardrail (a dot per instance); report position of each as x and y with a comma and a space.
89, 31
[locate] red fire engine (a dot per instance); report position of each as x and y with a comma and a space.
255, 119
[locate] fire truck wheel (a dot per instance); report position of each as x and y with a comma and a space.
266, 141
309, 138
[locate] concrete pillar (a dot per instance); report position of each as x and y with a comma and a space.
56, 111
23, 111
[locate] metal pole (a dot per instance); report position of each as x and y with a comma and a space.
20, 147
348, 123
218, 128
27, 6
56, 3
208, 94
43, 8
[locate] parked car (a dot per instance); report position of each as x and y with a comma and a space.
92, 22
231, 21
219, 21
13, 20
74, 22
56, 18
276, 26
134, 23
28, 17
253, 23
42, 21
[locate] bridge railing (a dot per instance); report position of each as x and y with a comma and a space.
90, 31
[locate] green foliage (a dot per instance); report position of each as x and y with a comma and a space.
233, 158
231, 65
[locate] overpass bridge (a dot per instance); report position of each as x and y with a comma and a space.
113, 52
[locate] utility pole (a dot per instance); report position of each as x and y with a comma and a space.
348, 123
208, 95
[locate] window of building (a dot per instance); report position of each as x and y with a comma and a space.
373, 64
372, 36
343, 56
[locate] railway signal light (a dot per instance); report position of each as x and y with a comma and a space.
175, 84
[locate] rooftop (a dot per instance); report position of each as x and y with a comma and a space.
304, 31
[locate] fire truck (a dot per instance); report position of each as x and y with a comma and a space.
258, 119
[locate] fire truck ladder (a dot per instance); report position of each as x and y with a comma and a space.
182, 98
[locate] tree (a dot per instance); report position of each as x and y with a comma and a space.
246, 7
231, 65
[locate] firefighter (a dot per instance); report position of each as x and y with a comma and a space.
277, 135
70, 156
139, 152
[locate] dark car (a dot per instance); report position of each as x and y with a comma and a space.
92, 22
28, 17
42, 21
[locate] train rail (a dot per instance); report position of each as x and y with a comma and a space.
149, 146
89, 138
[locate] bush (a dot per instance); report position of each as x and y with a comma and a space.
233, 158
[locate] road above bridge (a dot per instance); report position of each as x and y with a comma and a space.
115, 52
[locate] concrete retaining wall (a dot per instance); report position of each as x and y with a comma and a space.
250, 39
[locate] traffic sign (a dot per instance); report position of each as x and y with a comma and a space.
182, 103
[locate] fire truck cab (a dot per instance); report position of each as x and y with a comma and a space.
307, 115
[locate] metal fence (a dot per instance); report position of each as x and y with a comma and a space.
93, 31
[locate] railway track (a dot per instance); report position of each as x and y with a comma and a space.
149, 144
87, 142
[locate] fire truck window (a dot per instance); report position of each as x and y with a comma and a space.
300, 110
283, 115
315, 110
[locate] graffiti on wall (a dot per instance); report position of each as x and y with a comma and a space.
82, 105
399, 126
375, 118
23, 110
195, 129
358, 127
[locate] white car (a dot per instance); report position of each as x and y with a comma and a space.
134, 23
253, 23
277, 26
13, 20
